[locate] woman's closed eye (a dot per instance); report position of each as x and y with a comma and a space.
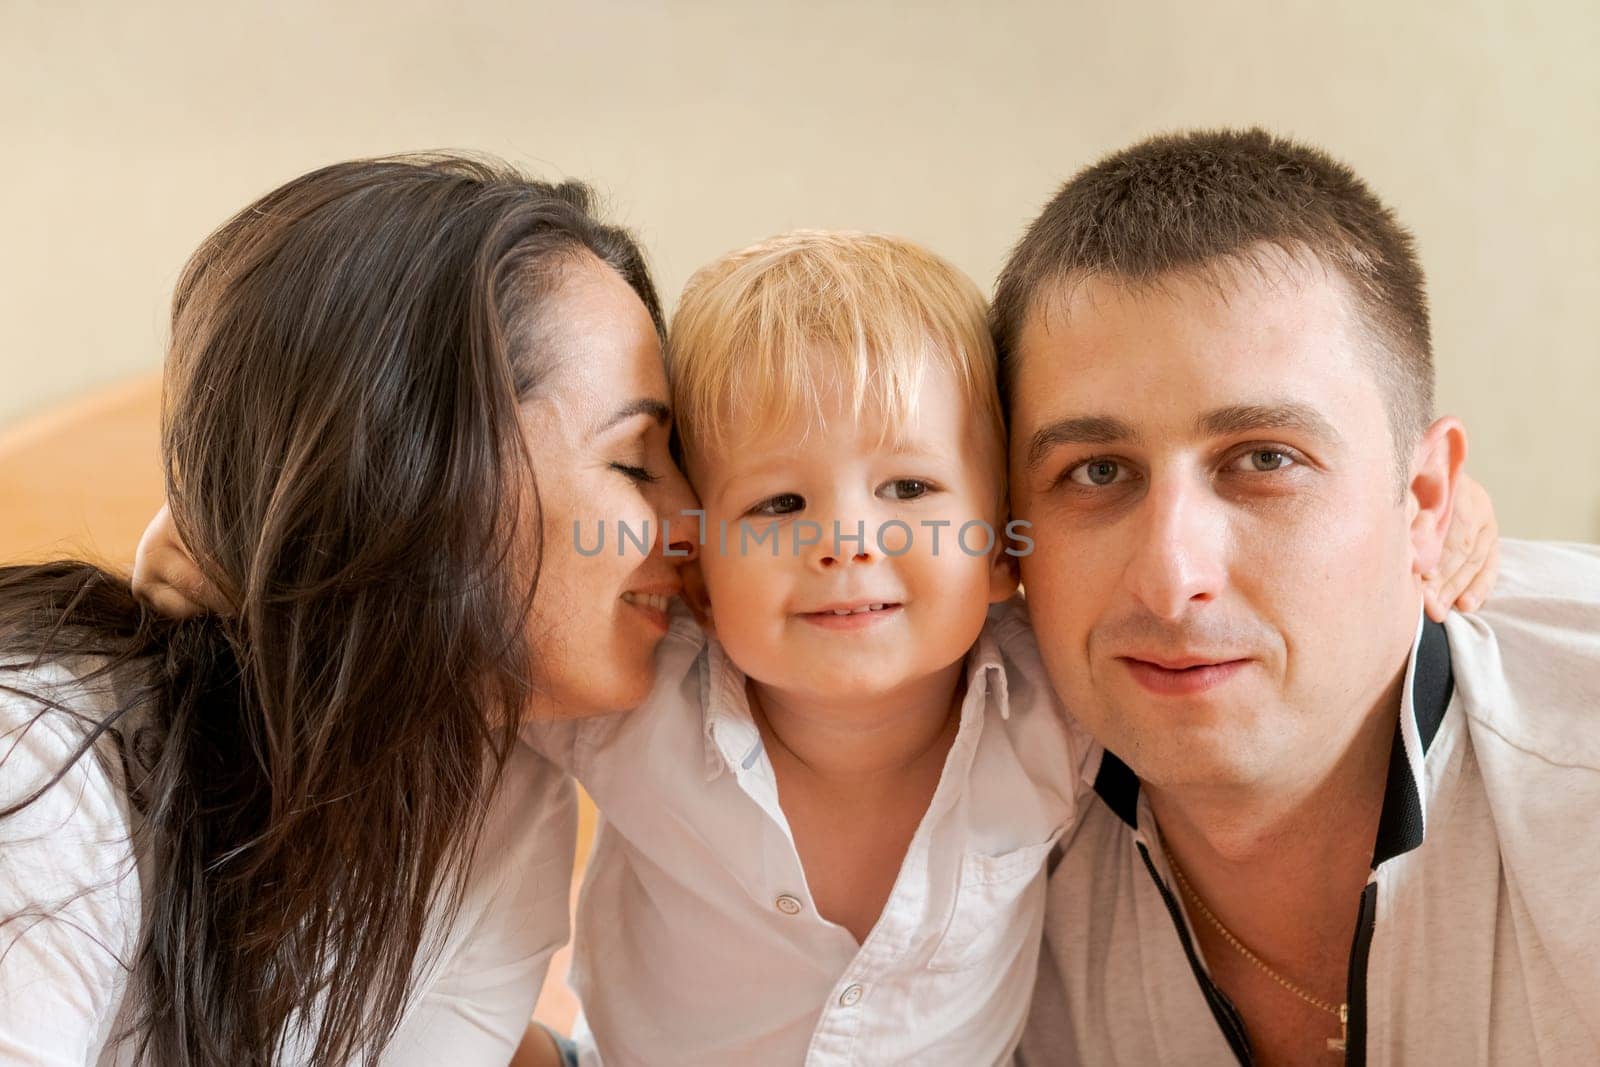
637, 475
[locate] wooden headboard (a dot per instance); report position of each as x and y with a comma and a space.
83, 479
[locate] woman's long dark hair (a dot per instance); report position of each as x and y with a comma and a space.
344, 458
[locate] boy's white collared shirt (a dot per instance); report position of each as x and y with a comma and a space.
697, 940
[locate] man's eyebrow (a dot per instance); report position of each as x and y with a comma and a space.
1284, 415
645, 405
1078, 430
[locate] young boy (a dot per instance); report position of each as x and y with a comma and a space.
825, 835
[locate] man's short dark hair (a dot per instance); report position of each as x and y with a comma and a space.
1182, 202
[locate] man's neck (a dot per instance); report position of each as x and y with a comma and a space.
1280, 865
1301, 809
1270, 863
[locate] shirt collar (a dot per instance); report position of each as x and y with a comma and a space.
733, 741
1426, 696
1429, 685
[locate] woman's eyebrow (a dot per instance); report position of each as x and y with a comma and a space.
645, 405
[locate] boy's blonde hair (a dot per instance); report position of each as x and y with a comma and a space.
765, 335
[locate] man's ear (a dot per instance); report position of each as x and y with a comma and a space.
1430, 496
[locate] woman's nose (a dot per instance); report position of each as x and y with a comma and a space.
682, 523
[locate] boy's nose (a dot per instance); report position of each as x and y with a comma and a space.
843, 545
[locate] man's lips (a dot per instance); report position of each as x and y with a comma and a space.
1182, 675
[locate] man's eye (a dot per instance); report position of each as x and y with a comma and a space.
905, 489
782, 504
1264, 461
1099, 472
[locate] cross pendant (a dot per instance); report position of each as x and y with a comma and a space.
1337, 1044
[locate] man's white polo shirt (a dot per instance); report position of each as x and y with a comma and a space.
1479, 932
697, 939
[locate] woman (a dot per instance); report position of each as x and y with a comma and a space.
303, 830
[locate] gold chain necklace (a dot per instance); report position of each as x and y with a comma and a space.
1342, 1012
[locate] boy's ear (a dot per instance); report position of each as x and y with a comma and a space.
1004, 574
696, 597
1430, 495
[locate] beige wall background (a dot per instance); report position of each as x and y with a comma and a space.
130, 130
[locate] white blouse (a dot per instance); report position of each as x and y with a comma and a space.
68, 872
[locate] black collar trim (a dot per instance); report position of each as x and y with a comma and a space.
1400, 826
1118, 786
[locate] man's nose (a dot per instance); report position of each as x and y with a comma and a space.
1178, 550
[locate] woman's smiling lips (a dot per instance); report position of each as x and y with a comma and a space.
654, 604
1182, 676
854, 615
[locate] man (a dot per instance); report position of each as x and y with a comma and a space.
1327, 826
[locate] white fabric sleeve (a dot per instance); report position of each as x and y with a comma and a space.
69, 890
477, 1000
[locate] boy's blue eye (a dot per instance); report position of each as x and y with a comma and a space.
906, 489
782, 504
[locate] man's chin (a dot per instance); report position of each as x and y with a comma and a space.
1196, 771
1204, 751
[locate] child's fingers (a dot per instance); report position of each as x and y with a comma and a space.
1454, 575
165, 600
1444, 583
1449, 586
1477, 590
1458, 542
1432, 606
205, 594
1473, 565
154, 567
166, 577
1469, 557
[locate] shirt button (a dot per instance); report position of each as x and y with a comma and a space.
851, 996
788, 905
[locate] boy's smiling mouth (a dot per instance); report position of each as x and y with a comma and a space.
851, 615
